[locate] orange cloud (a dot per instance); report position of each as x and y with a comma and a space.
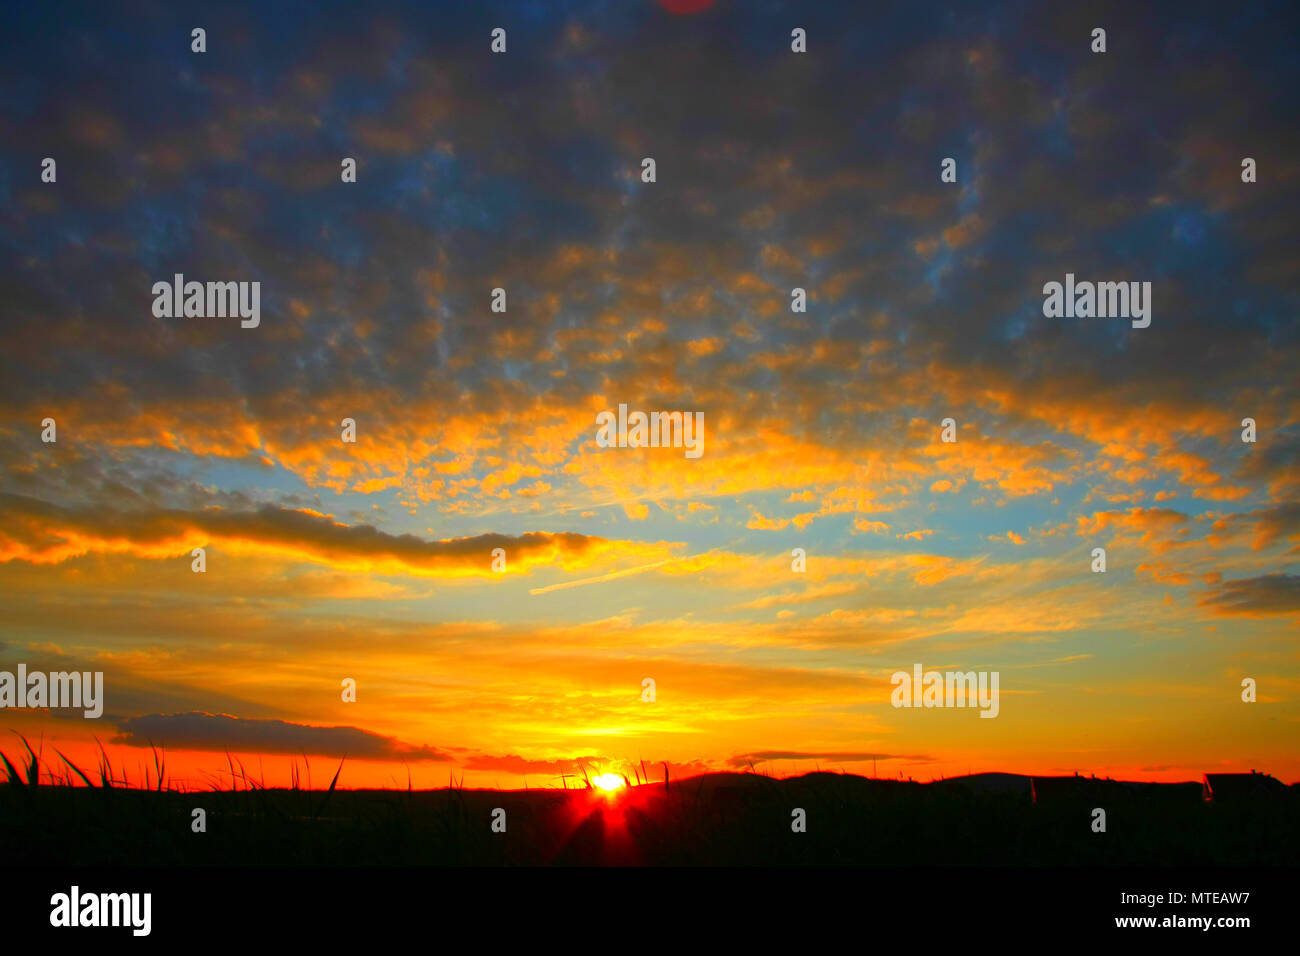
35, 531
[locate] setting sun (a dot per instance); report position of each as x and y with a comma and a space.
608, 781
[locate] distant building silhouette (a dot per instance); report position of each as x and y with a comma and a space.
1234, 787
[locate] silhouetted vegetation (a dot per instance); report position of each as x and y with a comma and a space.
65, 815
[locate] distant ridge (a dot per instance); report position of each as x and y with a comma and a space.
1012, 783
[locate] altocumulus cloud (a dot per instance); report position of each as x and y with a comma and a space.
223, 732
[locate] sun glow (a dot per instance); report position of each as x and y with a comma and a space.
608, 781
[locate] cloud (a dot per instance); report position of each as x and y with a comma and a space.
43, 533
1264, 596
763, 756
1164, 573
864, 525
1279, 521
222, 732
512, 763
758, 522
923, 302
1010, 536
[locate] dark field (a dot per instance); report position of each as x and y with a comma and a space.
719, 819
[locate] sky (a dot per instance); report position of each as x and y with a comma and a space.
373, 561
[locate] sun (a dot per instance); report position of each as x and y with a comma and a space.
608, 781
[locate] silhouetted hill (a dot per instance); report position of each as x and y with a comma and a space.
1009, 783
713, 819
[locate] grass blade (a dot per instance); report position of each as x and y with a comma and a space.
77, 770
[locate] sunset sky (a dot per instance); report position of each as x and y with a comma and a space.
476, 430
